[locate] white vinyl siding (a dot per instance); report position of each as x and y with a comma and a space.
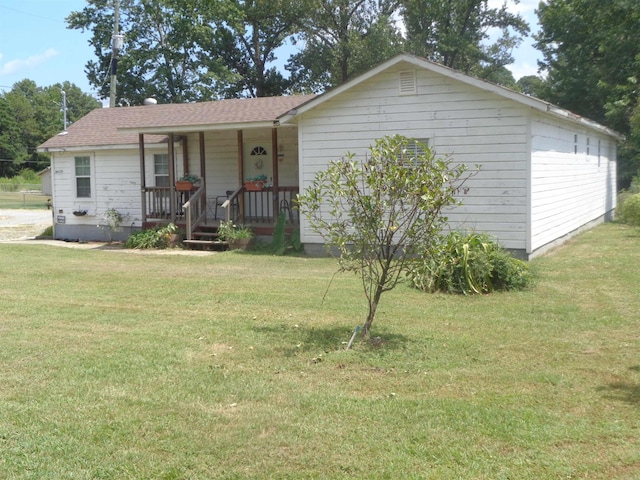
473, 126
569, 187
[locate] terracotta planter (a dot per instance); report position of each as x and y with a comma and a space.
184, 186
253, 185
239, 244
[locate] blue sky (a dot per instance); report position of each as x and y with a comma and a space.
35, 43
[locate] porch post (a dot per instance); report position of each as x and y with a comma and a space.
275, 182
202, 160
172, 179
203, 172
240, 174
143, 179
185, 153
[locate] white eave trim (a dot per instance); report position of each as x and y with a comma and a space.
570, 116
86, 148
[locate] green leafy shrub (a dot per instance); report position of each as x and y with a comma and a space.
621, 211
158, 237
229, 231
629, 210
471, 263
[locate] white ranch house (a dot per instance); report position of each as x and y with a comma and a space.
545, 173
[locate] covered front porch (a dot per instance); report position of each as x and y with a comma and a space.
222, 159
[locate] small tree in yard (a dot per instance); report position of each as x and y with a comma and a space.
383, 213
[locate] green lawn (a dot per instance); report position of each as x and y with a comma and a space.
118, 365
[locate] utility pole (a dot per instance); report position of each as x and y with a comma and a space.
116, 45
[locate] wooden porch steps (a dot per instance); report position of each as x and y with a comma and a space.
212, 245
206, 237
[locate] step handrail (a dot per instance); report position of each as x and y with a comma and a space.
192, 216
233, 198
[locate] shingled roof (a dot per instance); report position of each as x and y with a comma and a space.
98, 128
210, 114
120, 126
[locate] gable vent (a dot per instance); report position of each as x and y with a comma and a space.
408, 82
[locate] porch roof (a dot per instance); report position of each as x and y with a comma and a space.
216, 115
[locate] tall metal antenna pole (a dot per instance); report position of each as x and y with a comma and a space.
116, 45
64, 108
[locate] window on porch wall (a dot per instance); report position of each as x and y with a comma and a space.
161, 169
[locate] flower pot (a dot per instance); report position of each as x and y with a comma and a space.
184, 186
239, 244
253, 185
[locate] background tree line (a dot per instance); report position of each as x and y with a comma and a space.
197, 50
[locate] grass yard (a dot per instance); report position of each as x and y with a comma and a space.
117, 365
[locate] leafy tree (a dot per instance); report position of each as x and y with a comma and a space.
456, 33
29, 115
591, 52
343, 38
162, 56
188, 50
249, 42
531, 85
384, 213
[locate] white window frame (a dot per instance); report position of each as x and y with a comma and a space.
160, 175
82, 169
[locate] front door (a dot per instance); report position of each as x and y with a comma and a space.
257, 161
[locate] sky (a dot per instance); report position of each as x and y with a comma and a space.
35, 43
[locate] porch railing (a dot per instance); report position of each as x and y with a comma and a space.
158, 204
263, 206
195, 211
163, 205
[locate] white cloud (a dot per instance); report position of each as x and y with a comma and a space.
522, 69
18, 65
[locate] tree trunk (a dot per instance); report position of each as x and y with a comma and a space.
373, 306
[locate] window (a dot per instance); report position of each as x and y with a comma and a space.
83, 177
588, 142
258, 151
161, 169
575, 144
599, 151
416, 149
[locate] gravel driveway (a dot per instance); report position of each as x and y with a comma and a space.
23, 224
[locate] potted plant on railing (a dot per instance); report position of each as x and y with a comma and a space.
255, 184
238, 237
186, 182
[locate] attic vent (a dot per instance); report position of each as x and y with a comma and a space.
408, 82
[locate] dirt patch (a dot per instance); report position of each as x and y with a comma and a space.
23, 224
